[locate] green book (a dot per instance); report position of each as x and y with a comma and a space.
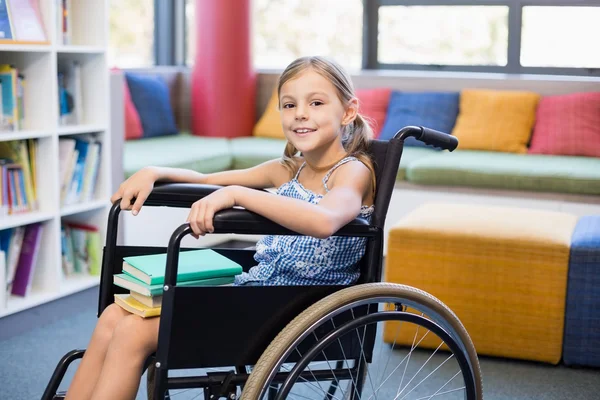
193, 265
128, 282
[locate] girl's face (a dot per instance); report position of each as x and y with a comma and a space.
311, 112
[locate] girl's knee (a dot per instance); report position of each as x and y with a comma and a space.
109, 319
136, 334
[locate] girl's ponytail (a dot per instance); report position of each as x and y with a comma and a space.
356, 142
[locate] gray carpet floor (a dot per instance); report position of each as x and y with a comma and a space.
32, 342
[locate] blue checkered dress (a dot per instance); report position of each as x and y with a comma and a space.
305, 260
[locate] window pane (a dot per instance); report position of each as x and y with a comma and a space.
286, 30
190, 32
131, 41
443, 35
560, 37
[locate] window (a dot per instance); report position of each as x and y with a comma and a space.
459, 35
284, 30
190, 32
131, 36
506, 36
560, 37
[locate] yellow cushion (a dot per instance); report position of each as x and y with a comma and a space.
502, 270
269, 124
495, 120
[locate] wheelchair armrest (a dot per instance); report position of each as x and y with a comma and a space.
178, 194
236, 220
242, 221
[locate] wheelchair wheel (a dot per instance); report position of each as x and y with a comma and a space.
335, 350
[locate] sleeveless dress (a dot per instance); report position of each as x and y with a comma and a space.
305, 260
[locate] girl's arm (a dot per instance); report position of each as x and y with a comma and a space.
337, 208
140, 185
265, 175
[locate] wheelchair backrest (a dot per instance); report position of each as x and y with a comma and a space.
386, 158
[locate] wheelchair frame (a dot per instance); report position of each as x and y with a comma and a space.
263, 311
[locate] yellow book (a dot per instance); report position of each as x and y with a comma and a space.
130, 304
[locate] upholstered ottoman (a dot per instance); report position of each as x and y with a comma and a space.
502, 270
582, 319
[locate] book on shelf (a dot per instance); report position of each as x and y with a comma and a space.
21, 22
12, 83
81, 247
63, 19
21, 283
79, 164
193, 265
18, 176
20, 247
70, 98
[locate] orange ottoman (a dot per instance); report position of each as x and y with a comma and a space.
502, 270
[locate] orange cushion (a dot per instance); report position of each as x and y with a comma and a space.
495, 120
269, 124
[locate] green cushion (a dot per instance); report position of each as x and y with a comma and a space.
410, 154
562, 174
198, 153
250, 151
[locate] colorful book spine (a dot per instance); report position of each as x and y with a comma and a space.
27, 260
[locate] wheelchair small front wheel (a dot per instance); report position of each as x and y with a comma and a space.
335, 350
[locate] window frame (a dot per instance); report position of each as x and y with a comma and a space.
515, 17
170, 25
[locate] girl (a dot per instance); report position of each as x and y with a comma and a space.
327, 185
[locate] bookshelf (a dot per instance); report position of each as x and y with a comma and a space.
40, 64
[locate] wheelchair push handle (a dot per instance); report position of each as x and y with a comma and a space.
429, 136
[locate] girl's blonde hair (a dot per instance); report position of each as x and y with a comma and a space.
356, 135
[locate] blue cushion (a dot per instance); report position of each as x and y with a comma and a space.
151, 97
581, 345
435, 110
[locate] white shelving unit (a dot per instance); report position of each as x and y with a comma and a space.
39, 64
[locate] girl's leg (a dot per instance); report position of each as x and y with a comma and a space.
89, 368
134, 339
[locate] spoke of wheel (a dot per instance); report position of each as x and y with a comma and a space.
431, 373
443, 386
195, 397
399, 365
299, 395
346, 358
443, 393
329, 365
417, 373
170, 396
362, 353
390, 353
314, 387
409, 355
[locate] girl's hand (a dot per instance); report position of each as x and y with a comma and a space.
138, 186
202, 212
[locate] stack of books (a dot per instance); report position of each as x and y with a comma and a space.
144, 277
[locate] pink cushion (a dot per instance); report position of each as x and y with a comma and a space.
373, 104
133, 124
568, 125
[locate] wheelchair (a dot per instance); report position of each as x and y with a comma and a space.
278, 342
